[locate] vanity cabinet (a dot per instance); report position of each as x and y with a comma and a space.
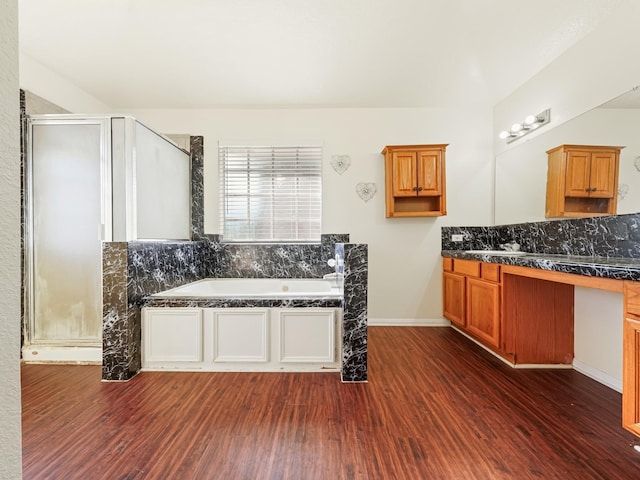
483, 308
582, 180
631, 358
471, 298
523, 320
453, 294
415, 180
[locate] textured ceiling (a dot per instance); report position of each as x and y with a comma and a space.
302, 53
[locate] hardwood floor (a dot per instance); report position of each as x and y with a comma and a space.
436, 407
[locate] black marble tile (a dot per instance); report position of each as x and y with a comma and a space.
275, 260
116, 340
618, 268
130, 272
316, 302
355, 316
603, 236
197, 187
157, 266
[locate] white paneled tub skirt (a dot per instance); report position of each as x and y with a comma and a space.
247, 338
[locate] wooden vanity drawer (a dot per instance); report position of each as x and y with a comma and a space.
632, 298
466, 267
447, 264
491, 272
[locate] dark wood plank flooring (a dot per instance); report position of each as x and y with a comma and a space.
436, 407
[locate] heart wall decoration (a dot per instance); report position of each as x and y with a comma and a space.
623, 190
366, 191
340, 163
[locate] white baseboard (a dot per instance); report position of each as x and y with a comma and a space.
598, 375
408, 322
72, 355
593, 373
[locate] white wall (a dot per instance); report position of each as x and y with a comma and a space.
404, 254
47, 84
598, 335
600, 67
10, 419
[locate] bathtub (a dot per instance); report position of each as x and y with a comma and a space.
244, 325
255, 287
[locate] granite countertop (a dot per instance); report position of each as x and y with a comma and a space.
618, 268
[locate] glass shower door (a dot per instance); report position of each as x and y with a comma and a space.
68, 188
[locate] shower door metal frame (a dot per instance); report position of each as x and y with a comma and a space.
106, 215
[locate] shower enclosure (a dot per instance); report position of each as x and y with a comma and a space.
90, 179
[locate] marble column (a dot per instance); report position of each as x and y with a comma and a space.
120, 351
197, 188
355, 320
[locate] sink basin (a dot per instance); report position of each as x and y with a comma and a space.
504, 253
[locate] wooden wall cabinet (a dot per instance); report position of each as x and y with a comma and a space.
631, 358
582, 180
415, 180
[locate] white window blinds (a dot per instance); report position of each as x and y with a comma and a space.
270, 194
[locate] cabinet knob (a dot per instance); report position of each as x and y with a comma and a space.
420, 189
415, 189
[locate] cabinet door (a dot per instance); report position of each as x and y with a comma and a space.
577, 174
429, 173
404, 174
603, 175
483, 310
453, 298
631, 376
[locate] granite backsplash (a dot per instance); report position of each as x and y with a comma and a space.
603, 236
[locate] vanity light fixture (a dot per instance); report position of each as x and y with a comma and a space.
531, 123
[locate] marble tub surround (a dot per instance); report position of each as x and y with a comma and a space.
283, 260
353, 264
193, 302
355, 319
602, 236
157, 266
132, 270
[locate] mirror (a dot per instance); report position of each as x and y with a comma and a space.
521, 172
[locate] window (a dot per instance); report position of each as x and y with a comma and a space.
270, 193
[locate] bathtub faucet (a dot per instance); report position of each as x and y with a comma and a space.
332, 262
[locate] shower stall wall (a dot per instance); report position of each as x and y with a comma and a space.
90, 179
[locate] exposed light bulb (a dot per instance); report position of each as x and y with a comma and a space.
530, 123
